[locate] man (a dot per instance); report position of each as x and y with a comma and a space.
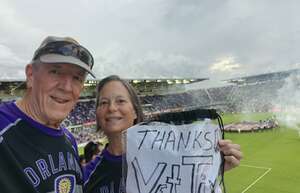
37, 154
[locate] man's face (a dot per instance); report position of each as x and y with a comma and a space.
55, 89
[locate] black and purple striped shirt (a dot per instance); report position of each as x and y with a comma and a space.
104, 174
36, 158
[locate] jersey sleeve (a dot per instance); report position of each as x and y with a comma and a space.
6, 121
89, 168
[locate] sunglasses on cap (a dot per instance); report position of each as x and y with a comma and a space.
67, 49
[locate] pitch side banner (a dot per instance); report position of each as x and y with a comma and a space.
164, 158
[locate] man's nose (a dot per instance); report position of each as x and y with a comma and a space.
66, 82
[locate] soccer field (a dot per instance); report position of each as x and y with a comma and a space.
271, 161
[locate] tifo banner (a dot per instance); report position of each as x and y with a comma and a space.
164, 158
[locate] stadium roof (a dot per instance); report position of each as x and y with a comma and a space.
168, 80
264, 77
12, 84
209, 84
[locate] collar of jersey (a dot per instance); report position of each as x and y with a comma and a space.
35, 124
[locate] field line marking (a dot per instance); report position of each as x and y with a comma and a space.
260, 177
258, 167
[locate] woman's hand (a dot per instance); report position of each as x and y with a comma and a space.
232, 153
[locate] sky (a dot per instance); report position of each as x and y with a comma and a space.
158, 38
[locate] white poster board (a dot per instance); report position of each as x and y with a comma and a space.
163, 158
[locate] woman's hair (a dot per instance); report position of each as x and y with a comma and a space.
91, 149
134, 99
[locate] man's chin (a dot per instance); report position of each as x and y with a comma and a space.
58, 118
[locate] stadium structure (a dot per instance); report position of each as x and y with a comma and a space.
243, 94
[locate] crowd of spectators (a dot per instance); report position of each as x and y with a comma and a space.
85, 134
84, 112
254, 97
160, 103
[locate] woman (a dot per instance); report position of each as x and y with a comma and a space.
118, 108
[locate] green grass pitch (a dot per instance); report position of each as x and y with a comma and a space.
80, 150
271, 162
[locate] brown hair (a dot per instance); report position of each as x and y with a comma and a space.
134, 99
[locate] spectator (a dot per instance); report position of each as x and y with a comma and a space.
91, 150
82, 160
118, 108
38, 155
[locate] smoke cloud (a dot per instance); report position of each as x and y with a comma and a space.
288, 103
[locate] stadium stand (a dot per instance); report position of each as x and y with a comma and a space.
247, 94
84, 112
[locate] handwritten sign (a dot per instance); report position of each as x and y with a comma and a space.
163, 158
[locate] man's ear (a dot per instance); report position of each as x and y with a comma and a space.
29, 75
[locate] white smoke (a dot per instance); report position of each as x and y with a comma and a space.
288, 103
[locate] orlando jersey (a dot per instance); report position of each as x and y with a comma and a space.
104, 174
36, 158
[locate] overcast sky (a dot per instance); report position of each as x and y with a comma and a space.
158, 38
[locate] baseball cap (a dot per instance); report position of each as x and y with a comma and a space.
64, 50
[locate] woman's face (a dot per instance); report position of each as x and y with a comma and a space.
115, 112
